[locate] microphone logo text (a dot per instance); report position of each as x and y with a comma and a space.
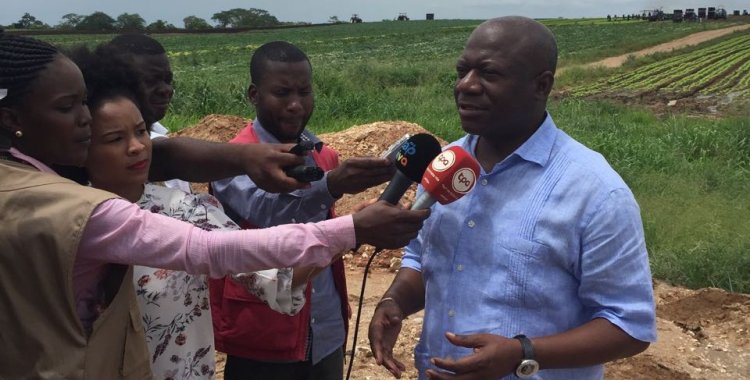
407, 149
463, 180
444, 161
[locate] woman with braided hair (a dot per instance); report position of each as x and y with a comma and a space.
67, 306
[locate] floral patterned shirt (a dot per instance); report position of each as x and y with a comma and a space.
174, 304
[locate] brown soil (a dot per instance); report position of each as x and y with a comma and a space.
703, 334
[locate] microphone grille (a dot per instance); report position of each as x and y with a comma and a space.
415, 155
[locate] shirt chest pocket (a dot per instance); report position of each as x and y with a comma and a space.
510, 268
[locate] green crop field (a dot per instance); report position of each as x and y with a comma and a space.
720, 68
691, 174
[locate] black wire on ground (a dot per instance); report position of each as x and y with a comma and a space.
359, 313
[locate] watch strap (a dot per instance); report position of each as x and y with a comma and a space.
528, 348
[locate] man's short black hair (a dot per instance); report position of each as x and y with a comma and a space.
276, 51
137, 43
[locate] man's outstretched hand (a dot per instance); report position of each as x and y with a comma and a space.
493, 357
387, 226
358, 174
265, 163
385, 326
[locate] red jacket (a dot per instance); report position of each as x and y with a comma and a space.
244, 325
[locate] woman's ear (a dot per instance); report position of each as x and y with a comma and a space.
9, 121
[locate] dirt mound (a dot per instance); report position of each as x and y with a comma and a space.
703, 334
218, 128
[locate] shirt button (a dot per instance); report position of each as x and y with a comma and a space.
313, 290
459, 267
471, 224
484, 182
451, 312
312, 320
323, 207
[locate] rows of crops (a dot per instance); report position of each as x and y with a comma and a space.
719, 69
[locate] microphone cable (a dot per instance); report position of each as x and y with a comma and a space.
359, 313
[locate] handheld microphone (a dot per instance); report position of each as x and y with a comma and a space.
411, 161
451, 175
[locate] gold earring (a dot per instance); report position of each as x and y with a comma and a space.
19, 134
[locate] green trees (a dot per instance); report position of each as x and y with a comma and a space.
160, 26
244, 18
97, 22
195, 23
70, 21
28, 21
130, 22
133, 22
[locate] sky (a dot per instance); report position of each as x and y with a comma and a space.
319, 11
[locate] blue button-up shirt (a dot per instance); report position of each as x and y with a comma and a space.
312, 204
548, 240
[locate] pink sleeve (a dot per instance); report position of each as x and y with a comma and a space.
120, 232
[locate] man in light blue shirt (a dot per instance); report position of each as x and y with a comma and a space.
541, 271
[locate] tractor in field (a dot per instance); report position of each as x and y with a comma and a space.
677, 15
690, 15
402, 17
355, 19
653, 15
702, 13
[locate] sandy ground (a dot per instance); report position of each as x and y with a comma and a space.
703, 333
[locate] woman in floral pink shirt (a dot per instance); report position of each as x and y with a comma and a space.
174, 304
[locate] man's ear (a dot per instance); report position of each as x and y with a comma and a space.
544, 83
252, 94
9, 120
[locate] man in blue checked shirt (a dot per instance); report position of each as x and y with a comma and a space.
541, 271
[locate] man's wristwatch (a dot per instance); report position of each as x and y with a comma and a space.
528, 366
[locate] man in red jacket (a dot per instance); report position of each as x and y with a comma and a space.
261, 343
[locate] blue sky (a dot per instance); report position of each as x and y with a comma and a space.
318, 11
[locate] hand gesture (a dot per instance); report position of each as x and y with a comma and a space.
494, 357
358, 174
383, 333
387, 226
265, 163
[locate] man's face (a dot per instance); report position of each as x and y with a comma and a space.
156, 75
284, 98
54, 117
494, 92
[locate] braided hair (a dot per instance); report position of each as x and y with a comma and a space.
21, 61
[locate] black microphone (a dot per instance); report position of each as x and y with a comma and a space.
412, 160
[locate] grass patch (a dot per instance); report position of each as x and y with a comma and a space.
691, 178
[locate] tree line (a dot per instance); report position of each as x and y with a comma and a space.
102, 22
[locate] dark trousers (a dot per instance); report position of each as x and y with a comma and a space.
330, 368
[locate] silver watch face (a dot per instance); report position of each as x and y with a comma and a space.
527, 368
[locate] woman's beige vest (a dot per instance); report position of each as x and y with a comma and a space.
42, 217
